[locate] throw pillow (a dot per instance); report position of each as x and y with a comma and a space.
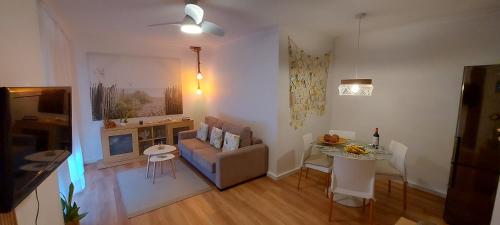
216, 137
231, 142
202, 132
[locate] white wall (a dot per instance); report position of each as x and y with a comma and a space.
193, 104
417, 71
243, 85
20, 51
290, 140
251, 86
21, 65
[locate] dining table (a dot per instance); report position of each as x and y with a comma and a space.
337, 150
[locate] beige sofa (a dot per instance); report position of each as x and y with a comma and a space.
229, 168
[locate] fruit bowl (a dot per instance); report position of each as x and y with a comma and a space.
356, 149
340, 141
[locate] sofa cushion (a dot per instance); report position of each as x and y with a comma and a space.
205, 158
202, 132
189, 145
212, 122
244, 132
216, 137
231, 142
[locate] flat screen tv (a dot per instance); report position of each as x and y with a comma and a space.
35, 138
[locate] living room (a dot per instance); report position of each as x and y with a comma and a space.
248, 117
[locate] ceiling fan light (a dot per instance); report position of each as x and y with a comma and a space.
356, 87
191, 29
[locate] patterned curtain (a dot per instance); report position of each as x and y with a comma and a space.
308, 78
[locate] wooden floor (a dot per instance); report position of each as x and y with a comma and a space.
260, 201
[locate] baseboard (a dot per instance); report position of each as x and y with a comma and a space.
426, 189
282, 175
410, 183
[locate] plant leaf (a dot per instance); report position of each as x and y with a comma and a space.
70, 194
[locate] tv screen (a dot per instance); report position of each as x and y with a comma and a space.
35, 138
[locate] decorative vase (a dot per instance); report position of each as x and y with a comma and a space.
75, 222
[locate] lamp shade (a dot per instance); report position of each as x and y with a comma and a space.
356, 87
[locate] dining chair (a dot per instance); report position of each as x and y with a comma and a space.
345, 134
395, 168
353, 177
313, 159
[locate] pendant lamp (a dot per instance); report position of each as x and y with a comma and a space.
357, 86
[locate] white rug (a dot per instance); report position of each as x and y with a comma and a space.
140, 195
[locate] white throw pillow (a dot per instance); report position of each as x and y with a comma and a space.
231, 142
202, 132
216, 137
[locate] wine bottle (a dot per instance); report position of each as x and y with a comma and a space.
376, 138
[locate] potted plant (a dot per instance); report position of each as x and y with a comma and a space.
70, 209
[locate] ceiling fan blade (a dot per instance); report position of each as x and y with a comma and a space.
165, 24
195, 12
209, 27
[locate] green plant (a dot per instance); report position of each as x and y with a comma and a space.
70, 208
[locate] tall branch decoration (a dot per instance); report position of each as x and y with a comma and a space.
308, 77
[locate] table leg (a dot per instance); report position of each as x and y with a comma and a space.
147, 170
173, 167
161, 166
154, 172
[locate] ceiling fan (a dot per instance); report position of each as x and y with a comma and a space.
193, 22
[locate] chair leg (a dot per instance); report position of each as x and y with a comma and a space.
331, 208
364, 204
371, 211
389, 186
307, 172
154, 172
405, 187
300, 176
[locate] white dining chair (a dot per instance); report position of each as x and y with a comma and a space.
313, 159
353, 177
395, 168
344, 133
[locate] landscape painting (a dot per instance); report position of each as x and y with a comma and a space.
124, 86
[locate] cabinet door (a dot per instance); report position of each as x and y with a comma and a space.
120, 145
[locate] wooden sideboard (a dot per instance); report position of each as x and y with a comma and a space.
126, 143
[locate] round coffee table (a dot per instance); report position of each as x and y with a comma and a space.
162, 158
157, 150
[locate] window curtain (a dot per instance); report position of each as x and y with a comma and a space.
59, 70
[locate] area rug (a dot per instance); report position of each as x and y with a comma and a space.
140, 195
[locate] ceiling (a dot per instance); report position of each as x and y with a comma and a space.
128, 19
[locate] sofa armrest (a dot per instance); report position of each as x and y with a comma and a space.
188, 134
234, 167
256, 140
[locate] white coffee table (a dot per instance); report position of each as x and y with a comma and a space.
162, 158
157, 150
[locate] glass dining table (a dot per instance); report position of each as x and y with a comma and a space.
337, 150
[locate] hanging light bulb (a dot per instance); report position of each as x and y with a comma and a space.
199, 76
358, 87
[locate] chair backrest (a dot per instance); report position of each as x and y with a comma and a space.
398, 159
308, 140
345, 134
355, 177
